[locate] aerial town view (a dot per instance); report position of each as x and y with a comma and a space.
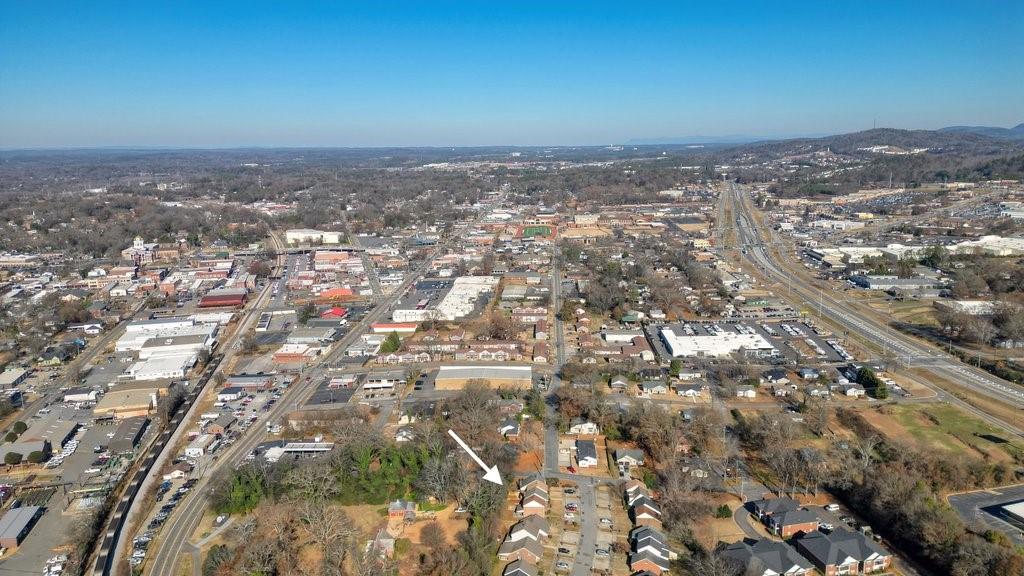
447, 289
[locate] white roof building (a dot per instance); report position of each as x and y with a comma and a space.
715, 345
161, 368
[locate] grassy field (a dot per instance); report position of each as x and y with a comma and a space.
944, 427
530, 231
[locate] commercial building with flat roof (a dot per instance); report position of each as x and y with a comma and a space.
12, 377
715, 345
455, 377
127, 435
1015, 511
16, 524
51, 429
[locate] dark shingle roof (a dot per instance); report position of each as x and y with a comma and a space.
833, 548
766, 555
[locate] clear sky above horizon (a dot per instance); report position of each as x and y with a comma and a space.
212, 74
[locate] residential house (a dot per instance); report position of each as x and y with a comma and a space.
853, 390
793, 522
404, 510
534, 527
526, 549
533, 501
767, 558
843, 552
630, 456
520, 568
619, 383
777, 376
692, 390
580, 427
808, 374
178, 471
746, 391
651, 387
534, 480
405, 434
586, 453
509, 428
647, 539
645, 512
649, 562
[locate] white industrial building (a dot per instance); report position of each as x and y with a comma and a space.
160, 368
715, 345
137, 333
199, 446
837, 224
1013, 210
460, 301
185, 345
990, 245
307, 235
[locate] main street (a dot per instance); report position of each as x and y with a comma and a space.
912, 352
174, 537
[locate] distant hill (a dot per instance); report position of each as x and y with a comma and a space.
860, 143
1015, 133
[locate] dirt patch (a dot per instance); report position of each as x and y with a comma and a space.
449, 522
531, 461
887, 427
710, 531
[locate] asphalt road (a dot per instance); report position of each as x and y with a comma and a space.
984, 508
913, 352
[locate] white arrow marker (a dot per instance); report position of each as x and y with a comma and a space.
492, 474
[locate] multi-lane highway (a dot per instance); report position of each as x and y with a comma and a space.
174, 536
908, 350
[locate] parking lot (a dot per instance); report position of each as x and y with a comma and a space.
796, 341
85, 474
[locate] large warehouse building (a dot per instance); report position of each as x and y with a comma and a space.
137, 333
715, 345
223, 298
460, 301
16, 524
497, 376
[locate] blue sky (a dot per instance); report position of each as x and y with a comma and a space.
481, 73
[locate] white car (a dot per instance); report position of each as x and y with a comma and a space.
832, 507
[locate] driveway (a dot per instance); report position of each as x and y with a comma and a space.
743, 518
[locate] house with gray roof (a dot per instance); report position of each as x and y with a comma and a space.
767, 558
843, 551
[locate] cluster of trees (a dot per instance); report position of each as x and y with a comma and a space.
101, 226
606, 292
295, 503
274, 540
867, 378
899, 490
1007, 322
391, 344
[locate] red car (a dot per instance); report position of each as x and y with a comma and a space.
572, 470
